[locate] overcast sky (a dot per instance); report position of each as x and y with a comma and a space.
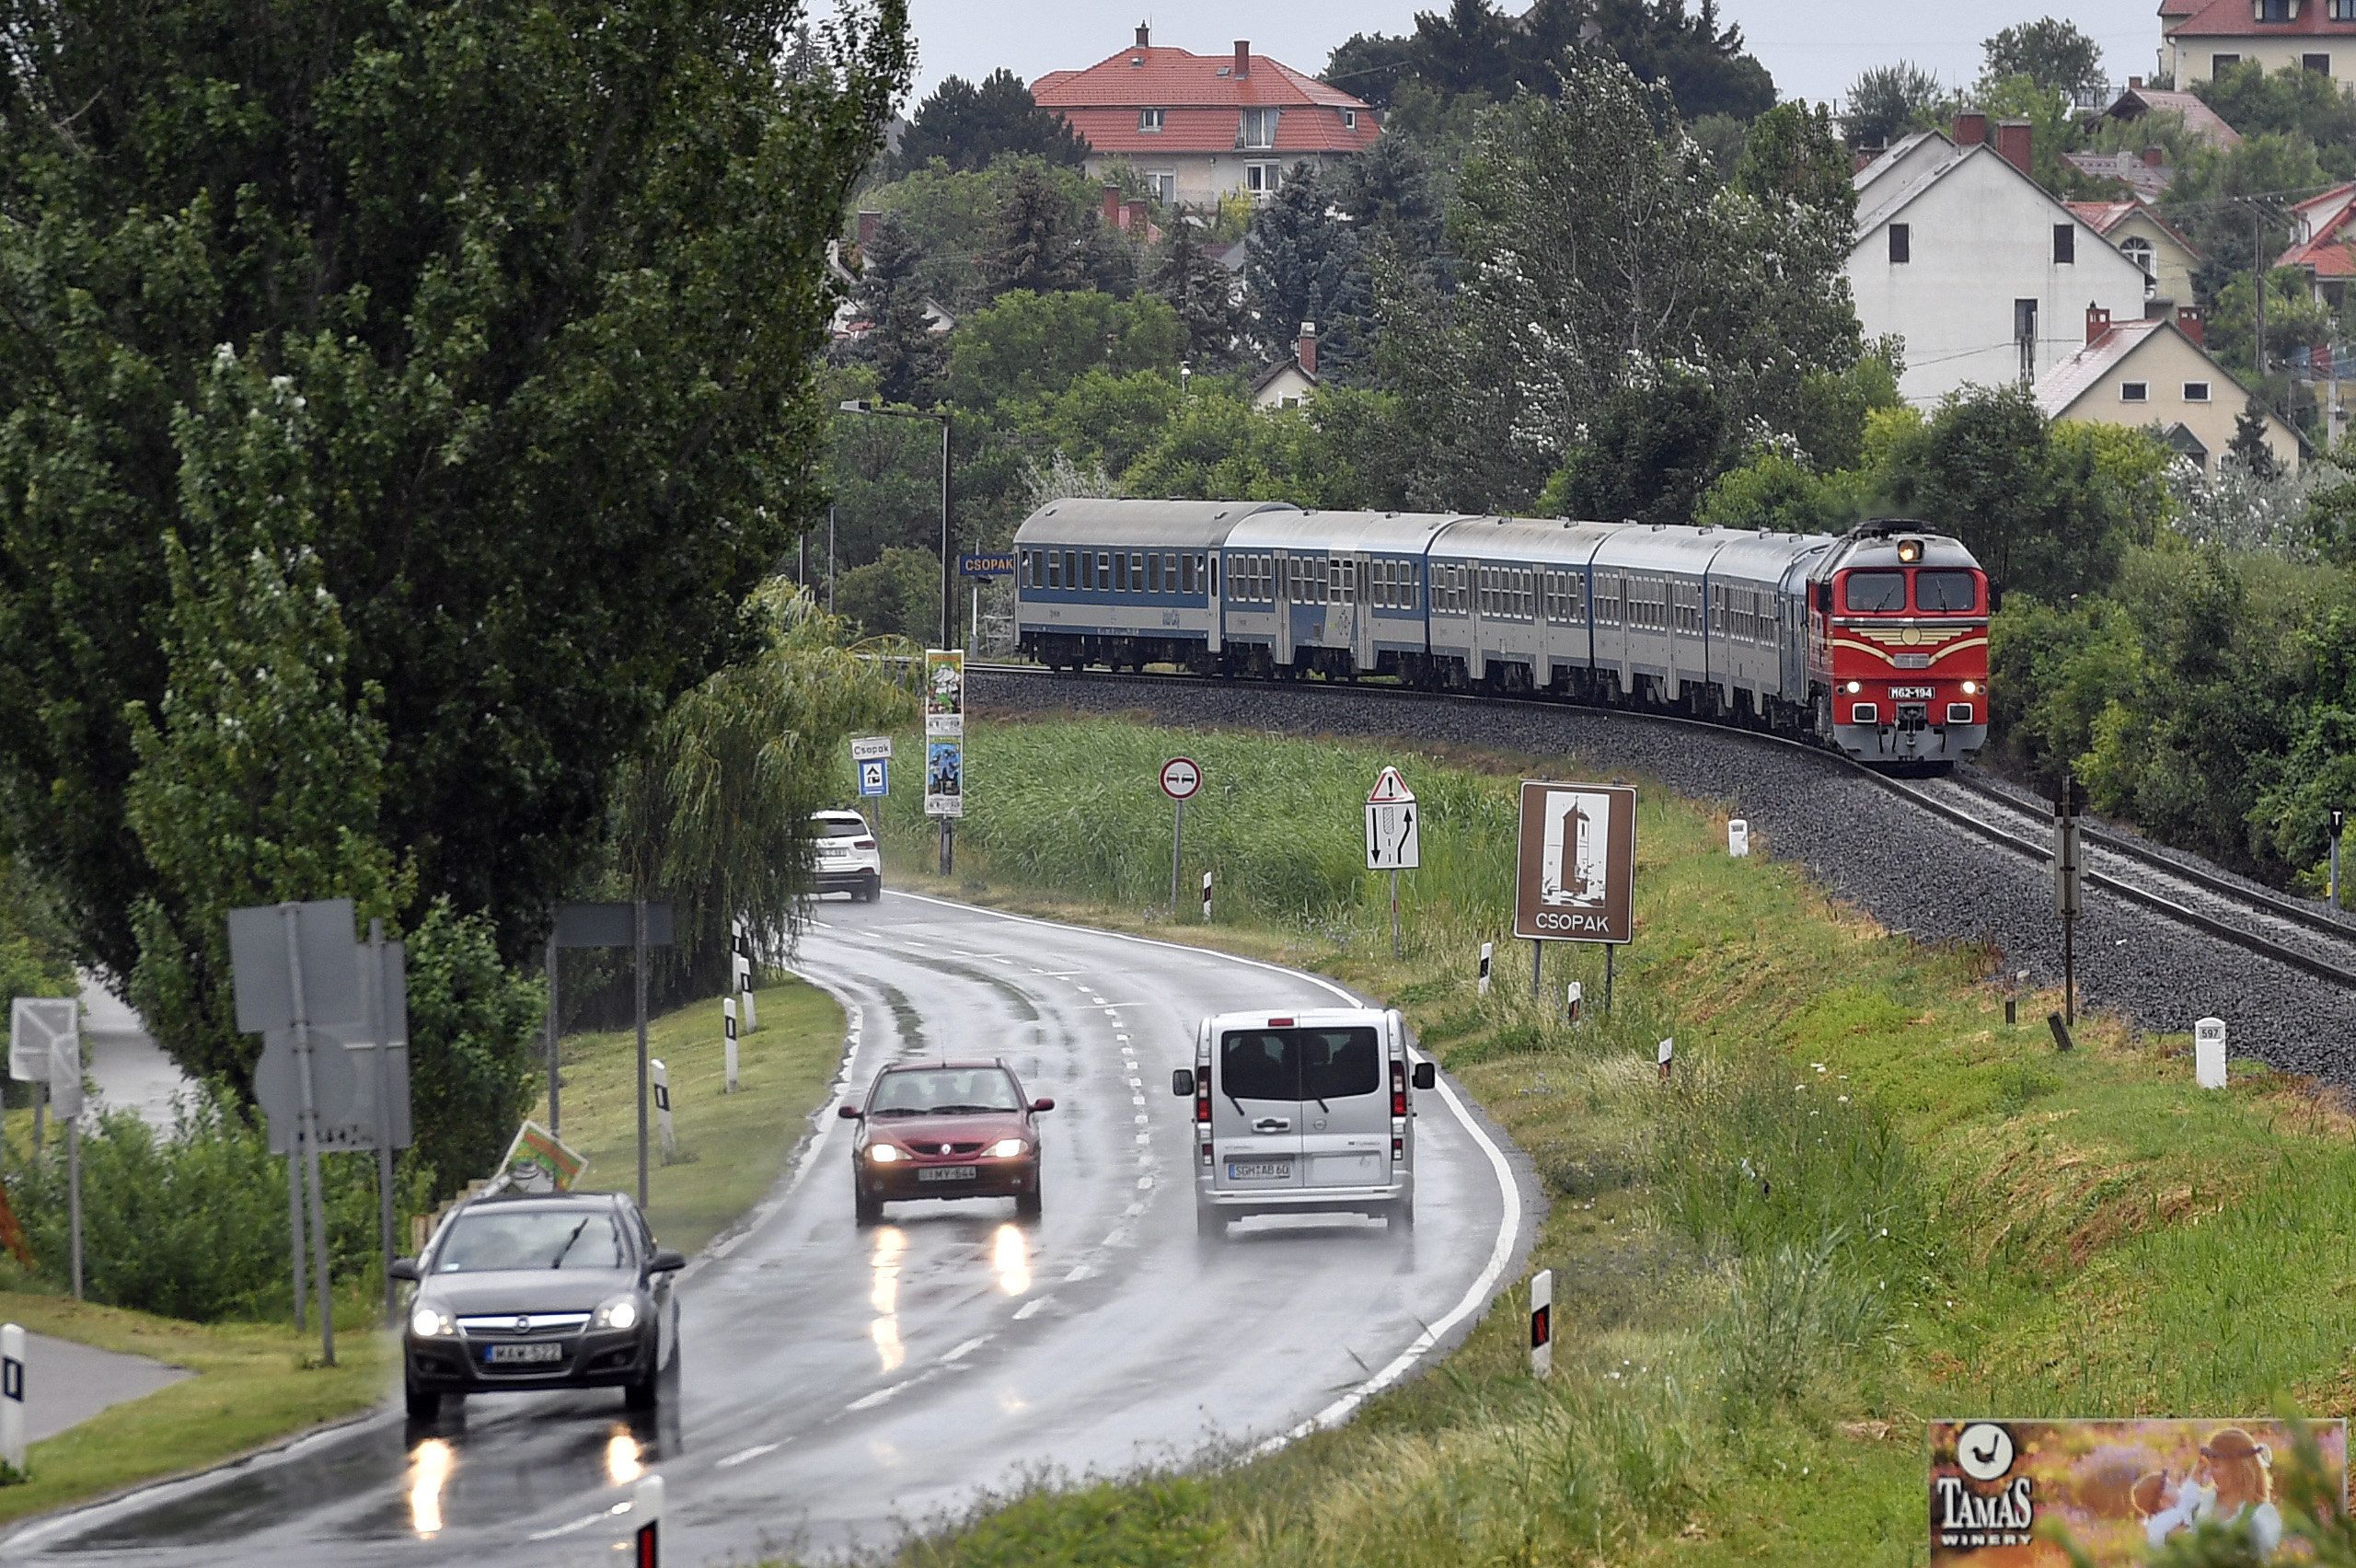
1814, 47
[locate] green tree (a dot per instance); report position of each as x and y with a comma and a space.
1100, 420
1703, 64
2050, 51
527, 297
1027, 343
474, 1045
896, 594
1887, 102
1791, 155
2291, 101
1202, 292
2048, 113
1652, 450
1040, 243
2249, 448
1340, 450
969, 127
899, 343
1305, 264
1771, 489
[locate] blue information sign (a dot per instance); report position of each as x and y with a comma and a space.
875, 777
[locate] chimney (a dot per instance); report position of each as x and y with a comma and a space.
1242, 58
868, 222
1866, 158
2187, 318
2156, 157
2097, 323
1112, 205
1145, 36
2134, 83
1971, 128
1133, 215
2012, 142
1304, 348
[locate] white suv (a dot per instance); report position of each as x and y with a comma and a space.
1303, 1112
848, 860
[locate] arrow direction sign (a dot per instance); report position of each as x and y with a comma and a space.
1393, 833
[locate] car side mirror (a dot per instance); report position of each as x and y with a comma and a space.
666, 1259
1182, 1083
849, 1113
1426, 1076
404, 1268
1043, 1104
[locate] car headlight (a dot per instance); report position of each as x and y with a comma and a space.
428, 1323
1009, 1149
621, 1314
882, 1154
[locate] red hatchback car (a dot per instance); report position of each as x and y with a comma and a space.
945, 1130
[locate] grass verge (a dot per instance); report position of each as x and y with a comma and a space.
1861, 1201
257, 1384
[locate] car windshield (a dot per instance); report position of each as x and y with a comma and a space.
936, 1092
840, 827
530, 1239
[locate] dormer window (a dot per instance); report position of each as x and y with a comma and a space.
2274, 10
1259, 128
2343, 10
1350, 116
1150, 119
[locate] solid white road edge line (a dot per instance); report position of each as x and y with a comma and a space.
1508, 1231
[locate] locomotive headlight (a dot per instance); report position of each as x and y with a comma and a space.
1856, 686
1971, 689
1909, 551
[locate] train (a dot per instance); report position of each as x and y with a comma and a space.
1874, 642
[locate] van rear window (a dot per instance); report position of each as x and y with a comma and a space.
1299, 1064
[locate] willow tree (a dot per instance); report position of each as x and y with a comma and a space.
521, 300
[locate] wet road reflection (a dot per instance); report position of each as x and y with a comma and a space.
623, 1463
430, 1468
884, 1296
1010, 1260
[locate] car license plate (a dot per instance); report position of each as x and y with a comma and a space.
1900, 694
946, 1172
1259, 1169
512, 1355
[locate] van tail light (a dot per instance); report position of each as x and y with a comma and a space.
1203, 1095
1398, 1087
1397, 1149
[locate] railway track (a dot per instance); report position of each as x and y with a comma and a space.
2293, 932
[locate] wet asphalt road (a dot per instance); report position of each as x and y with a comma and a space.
836, 1386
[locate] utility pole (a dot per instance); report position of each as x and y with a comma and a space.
2257, 268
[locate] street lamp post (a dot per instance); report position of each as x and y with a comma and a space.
948, 598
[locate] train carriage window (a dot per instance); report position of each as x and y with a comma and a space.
1214, 576
1186, 574
1152, 580
1170, 573
1104, 572
1054, 562
1945, 593
1071, 568
1088, 571
1121, 575
1874, 593
1136, 574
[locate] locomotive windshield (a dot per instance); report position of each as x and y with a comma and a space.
1945, 593
1875, 592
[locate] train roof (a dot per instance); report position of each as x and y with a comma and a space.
1875, 543
1543, 539
1096, 519
1406, 533
1765, 556
1673, 547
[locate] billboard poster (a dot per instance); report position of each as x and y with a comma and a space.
2013, 1492
1577, 863
945, 692
944, 778
536, 1162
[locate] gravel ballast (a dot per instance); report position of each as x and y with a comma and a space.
1908, 870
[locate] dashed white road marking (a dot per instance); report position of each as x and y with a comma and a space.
1030, 1307
582, 1523
1145, 1181
1098, 1000
743, 1455
1138, 1099
868, 1401
1144, 1138
967, 1349
1141, 1117
1077, 1274
1134, 1210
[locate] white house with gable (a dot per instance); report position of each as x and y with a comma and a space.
1984, 275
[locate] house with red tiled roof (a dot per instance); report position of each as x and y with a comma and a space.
2204, 122
2140, 233
1200, 127
2201, 37
2156, 373
2323, 243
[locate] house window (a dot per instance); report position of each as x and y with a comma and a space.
1261, 179
2343, 10
2196, 391
2221, 64
2065, 244
1901, 244
2134, 392
1150, 119
2319, 63
1349, 120
1259, 128
2139, 250
1161, 184
2273, 10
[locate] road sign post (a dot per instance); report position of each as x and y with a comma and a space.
12, 1397
1575, 870
2338, 821
660, 1076
1393, 837
1181, 778
1488, 950
636, 925
944, 745
45, 1049
1207, 898
1541, 1323
549, 964
728, 1023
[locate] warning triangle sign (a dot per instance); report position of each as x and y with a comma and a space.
1390, 790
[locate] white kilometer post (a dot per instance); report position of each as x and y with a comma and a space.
12, 1397
2208, 1053
1541, 1323
1739, 839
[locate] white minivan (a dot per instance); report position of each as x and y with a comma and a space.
1303, 1112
